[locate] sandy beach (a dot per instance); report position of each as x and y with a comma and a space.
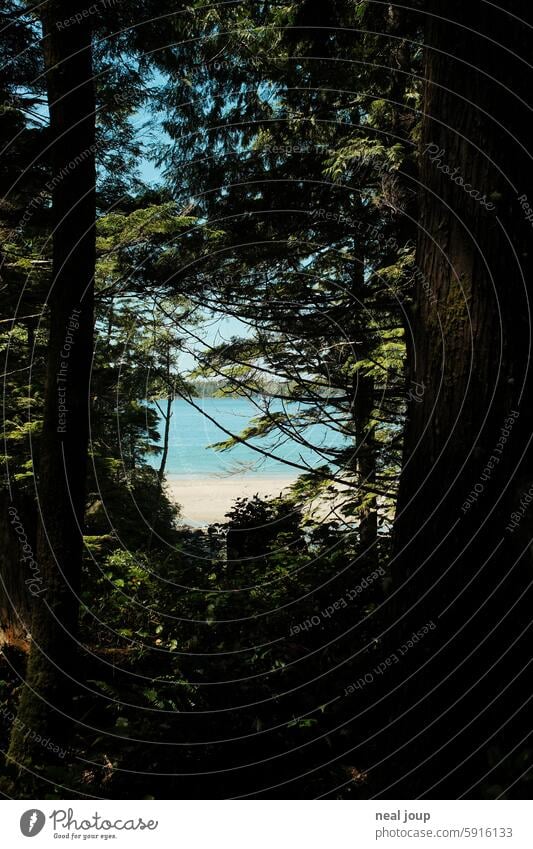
204, 501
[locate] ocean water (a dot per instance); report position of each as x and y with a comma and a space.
193, 431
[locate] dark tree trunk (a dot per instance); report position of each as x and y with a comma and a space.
468, 461
46, 701
17, 568
166, 436
366, 465
362, 412
167, 416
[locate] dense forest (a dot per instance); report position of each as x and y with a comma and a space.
323, 209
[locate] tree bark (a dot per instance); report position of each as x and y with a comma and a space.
17, 565
468, 460
362, 413
366, 465
46, 702
164, 456
167, 417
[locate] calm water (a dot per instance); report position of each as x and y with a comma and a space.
192, 432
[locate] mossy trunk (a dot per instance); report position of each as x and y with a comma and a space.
46, 703
468, 461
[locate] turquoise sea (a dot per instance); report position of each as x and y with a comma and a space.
192, 431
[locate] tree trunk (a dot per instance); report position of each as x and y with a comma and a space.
166, 436
167, 417
46, 701
467, 464
362, 412
366, 464
162, 466
17, 569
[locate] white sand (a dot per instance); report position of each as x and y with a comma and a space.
206, 500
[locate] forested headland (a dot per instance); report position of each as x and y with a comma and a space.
322, 208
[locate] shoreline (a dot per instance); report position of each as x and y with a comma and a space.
206, 500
